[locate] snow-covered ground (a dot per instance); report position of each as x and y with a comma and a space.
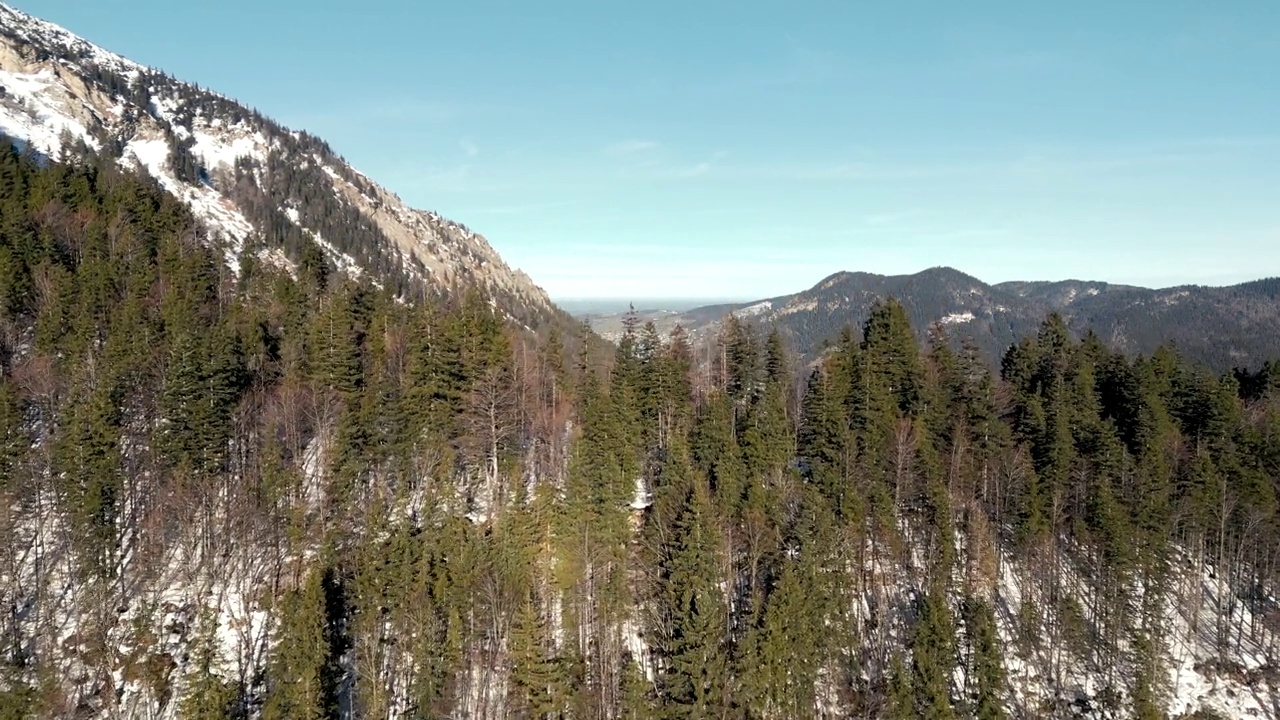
759, 308
35, 107
90, 629
33, 29
957, 318
344, 262
222, 149
1186, 644
217, 213
205, 576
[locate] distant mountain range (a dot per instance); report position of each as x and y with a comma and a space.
267, 194
1221, 327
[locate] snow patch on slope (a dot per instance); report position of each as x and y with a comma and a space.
759, 308
1200, 600
218, 214
152, 154
34, 107
798, 307
957, 318
343, 261
219, 150
34, 30
62, 613
641, 498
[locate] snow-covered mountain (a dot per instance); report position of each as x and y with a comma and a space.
261, 190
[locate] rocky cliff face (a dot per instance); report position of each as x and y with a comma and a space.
261, 190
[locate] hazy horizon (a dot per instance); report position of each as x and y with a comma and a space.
729, 148
620, 303
610, 305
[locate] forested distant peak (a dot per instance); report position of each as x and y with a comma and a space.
1220, 327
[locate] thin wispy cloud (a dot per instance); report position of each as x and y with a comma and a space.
651, 159
632, 147
697, 170
397, 110
702, 168
999, 163
889, 219
1177, 147
525, 209
455, 174
1027, 144
854, 171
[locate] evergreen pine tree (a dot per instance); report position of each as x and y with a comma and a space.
695, 676
208, 696
986, 666
824, 444
933, 657
295, 681
537, 678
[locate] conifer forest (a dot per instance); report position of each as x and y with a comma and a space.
264, 494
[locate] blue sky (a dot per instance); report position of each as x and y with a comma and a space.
748, 149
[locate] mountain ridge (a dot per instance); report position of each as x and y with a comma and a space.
275, 495
279, 195
1218, 326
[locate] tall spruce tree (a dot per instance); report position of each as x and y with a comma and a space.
694, 679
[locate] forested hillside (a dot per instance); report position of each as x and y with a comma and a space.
261, 495
1218, 327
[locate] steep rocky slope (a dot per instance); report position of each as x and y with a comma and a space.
285, 505
261, 190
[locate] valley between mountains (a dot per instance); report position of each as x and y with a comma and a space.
274, 444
